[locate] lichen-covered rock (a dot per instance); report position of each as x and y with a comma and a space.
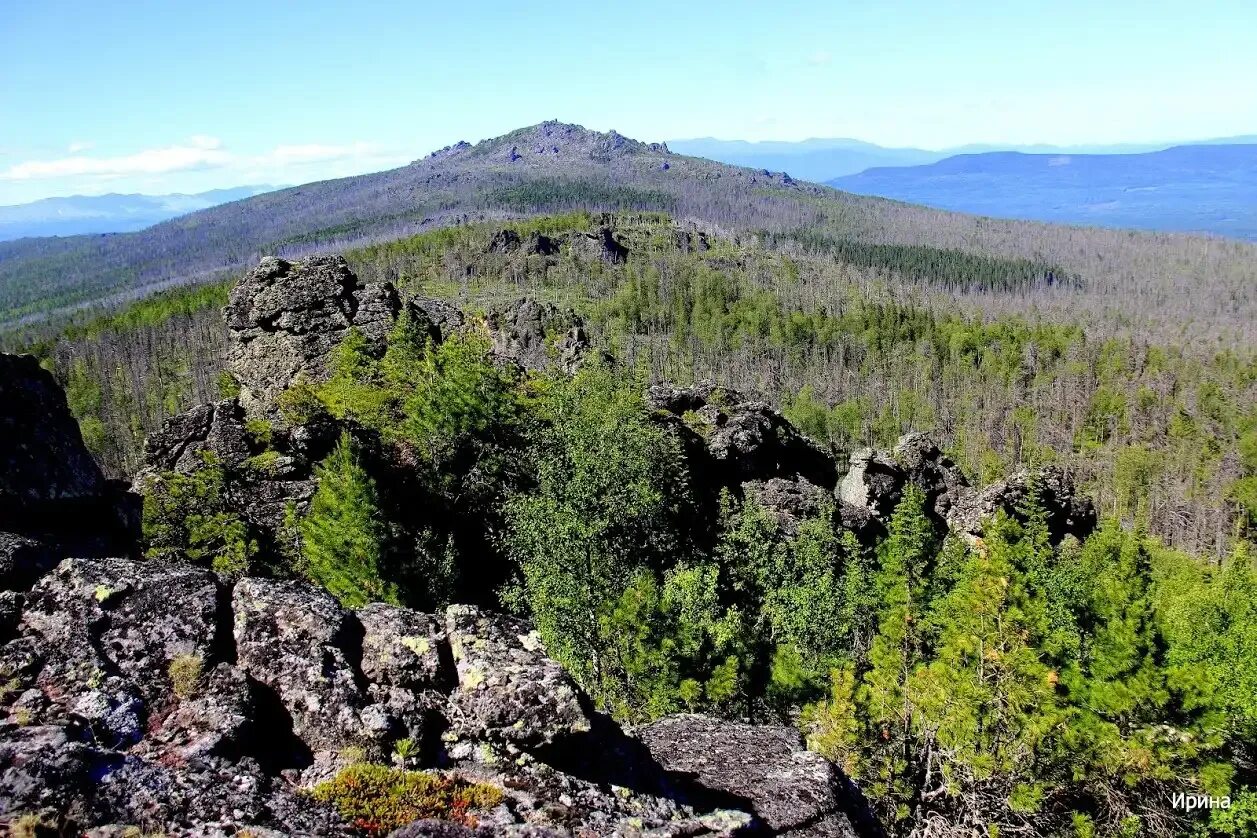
297, 640
402, 648
215, 716
790, 790
1067, 511
43, 769
508, 690
98, 617
285, 319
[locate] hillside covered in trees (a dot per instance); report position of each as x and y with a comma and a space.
859, 347
999, 658
969, 505
1193, 287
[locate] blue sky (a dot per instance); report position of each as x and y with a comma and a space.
184, 96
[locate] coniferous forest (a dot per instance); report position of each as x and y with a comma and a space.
1023, 678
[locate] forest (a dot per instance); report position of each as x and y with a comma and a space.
1163, 434
1019, 684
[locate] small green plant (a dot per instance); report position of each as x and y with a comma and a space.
22, 716
228, 387
403, 750
259, 431
185, 674
379, 799
300, 404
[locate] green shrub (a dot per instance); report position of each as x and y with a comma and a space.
379, 799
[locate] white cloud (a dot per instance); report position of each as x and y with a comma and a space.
198, 153
284, 155
820, 58
193, 165
78, 145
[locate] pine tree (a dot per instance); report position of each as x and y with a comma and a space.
906, 558
343, 534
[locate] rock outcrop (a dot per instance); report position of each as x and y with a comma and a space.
48, 479
538, 335
148, 694
790, 790
1067, 511
285, 318
876, 480
742, 439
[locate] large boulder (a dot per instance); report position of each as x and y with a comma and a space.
508, 690
790, 790
875, 481
743, 439
42, 456
537, 335
285, 318
926, 466
115, 617
1068, 512
298, 641
48, 478
23, 560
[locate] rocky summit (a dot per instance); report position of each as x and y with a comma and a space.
140, 695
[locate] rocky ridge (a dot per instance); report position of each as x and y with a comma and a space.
165, 696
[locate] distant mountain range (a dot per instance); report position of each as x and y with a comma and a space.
113, 213
821, 160
1197, 188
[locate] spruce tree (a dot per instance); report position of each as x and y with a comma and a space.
343, 534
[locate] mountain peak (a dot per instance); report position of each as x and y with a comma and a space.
553, 139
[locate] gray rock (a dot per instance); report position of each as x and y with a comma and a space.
445, 317
215, 428
215, 719
23, 560
745, 440
1068, 512
44, 769
94, 617
536, 335
874, 482
791, 790
113, 716
790, 501
508, 690
297, 640
402, 648
930, 470
285, 319
42, 456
